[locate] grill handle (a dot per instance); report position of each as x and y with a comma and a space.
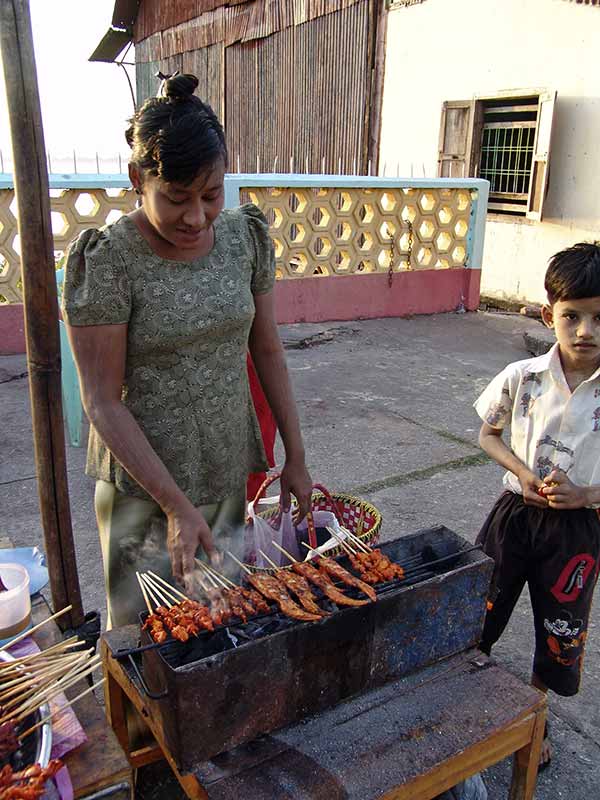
142, 682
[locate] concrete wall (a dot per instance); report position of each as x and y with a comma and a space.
457, 49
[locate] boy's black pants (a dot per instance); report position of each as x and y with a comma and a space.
557, 553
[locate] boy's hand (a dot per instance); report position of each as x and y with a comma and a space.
562, 493
530, 483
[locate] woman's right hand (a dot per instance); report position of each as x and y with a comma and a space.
186, 530
530, 483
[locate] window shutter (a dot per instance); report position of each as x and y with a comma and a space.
460, 139
541, 156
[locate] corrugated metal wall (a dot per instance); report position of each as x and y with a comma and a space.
301, 94
206, 64
298, 98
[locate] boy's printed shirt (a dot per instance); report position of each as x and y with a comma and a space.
550, 426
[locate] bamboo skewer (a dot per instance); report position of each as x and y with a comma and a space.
239, 563
358, 542
44, 695
168, 585
266, 557
35, 628
152, 595
308, 547
60, 710
143, 588
214, 576
9, 666
285, 553
168, 598
60, 687
219, 575
26, 693
342, 542
10, 688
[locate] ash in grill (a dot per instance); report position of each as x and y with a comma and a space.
224, 688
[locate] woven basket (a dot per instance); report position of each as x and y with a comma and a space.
359, 516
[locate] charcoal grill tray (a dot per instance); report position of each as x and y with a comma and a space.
217, 702
415, 573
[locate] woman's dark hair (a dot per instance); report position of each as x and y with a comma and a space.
574, 273
176, 136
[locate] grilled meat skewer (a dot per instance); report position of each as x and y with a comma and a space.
299, 586
324, 583
271, 588
335, 570
256, 599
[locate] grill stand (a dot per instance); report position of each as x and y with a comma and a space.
409, 740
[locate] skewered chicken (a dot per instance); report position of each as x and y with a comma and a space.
335, 570
324, 583
8, 739
256, 599
156, 627
28, 784
299, 586
368, 576
271, 588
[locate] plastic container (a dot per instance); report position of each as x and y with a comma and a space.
15, 602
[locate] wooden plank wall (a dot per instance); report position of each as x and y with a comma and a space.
206, 64
300, 95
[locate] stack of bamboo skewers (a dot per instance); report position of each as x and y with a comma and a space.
30, 682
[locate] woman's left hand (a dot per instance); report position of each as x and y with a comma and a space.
296, 480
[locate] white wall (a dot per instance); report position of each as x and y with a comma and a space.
456, 49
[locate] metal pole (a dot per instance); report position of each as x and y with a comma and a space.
40, 303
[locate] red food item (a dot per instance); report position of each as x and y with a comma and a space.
324, 583
270, 587
331, 567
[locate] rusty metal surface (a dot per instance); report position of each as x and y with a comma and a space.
296, 100
205, 22
368, 745
232, 697
278, 86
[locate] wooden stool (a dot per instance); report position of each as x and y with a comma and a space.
409, 740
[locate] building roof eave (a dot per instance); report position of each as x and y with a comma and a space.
111, 45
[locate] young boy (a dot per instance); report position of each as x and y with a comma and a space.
545, 530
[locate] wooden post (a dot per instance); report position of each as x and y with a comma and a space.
40, 302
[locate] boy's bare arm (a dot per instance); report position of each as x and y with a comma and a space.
562, 493
490, 440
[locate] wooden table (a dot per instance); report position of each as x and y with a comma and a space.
409, 740
99, 766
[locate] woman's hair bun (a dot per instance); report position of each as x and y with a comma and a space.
180, 87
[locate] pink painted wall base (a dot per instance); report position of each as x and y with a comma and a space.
427, 291
12, 329
345, 298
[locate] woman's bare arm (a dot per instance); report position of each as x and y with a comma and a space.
269, 359
100, 352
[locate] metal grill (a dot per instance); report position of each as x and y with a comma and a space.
506, 156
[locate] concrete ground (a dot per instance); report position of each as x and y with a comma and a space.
386, 413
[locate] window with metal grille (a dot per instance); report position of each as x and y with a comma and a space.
504, 139
506, 154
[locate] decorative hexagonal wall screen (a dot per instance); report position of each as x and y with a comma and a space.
72, 210
317, 231
322, 231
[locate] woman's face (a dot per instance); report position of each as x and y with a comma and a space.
183, 215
